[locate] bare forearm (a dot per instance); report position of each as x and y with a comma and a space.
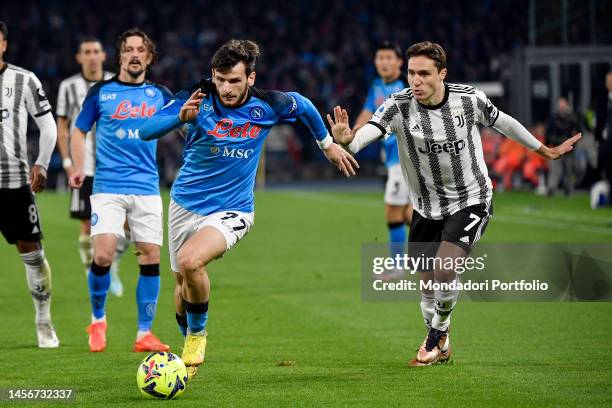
77, 148
63, 136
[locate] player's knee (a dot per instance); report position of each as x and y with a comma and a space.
189, 263
103, 258
24, 247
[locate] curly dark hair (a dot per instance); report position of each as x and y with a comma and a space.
233, 52
148, 42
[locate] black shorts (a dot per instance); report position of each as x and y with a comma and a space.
464, 228
80, 205
19, 220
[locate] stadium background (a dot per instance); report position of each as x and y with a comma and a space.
289, 326
323, 50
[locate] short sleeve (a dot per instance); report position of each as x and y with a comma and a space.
61, 109
90, 110
37, 103
486, 112
385, 114
166, 94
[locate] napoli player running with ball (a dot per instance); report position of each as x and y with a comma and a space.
126, 183
212, 205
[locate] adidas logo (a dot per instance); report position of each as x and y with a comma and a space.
465, 240
416, 127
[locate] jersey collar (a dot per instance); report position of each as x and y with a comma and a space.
3, 68
438, 106
116, 79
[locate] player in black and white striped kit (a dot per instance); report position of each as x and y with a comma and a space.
21, 94
72, 91
440, 151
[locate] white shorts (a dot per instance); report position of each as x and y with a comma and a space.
183, 224
396, 189
144, 215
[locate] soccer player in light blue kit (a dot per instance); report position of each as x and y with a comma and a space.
126, 183
398, 210
212, 205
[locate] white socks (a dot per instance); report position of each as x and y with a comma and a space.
427, 308
445, 301
38, 274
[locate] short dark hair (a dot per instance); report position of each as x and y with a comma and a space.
148, 42
3, 29
233, 52
430, 50
87, 39
390, 45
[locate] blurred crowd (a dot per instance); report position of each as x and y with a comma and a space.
322, 49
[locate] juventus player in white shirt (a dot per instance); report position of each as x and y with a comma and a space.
21, 94
442, 160
72, 91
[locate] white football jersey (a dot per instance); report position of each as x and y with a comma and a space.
21, 93
440, 148
71, 94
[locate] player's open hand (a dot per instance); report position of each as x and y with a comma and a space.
189, 110
554, 153
38, 178
340, 126
76, 179
342, 159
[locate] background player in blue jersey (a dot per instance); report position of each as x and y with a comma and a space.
398, 210
126, 183
212, 204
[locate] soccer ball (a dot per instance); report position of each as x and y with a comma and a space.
162, 375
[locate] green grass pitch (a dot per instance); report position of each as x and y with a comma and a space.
290, 291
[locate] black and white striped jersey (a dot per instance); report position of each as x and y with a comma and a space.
440, 147
70, 97
21, 94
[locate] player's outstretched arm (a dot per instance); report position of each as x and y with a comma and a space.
554, 153
511, 127
340, 127
356, 139
173, 115
77, 151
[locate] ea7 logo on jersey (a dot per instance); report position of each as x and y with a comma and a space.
108, 97
447, 147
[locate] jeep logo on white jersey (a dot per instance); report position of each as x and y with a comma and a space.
447, 147
236, 153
